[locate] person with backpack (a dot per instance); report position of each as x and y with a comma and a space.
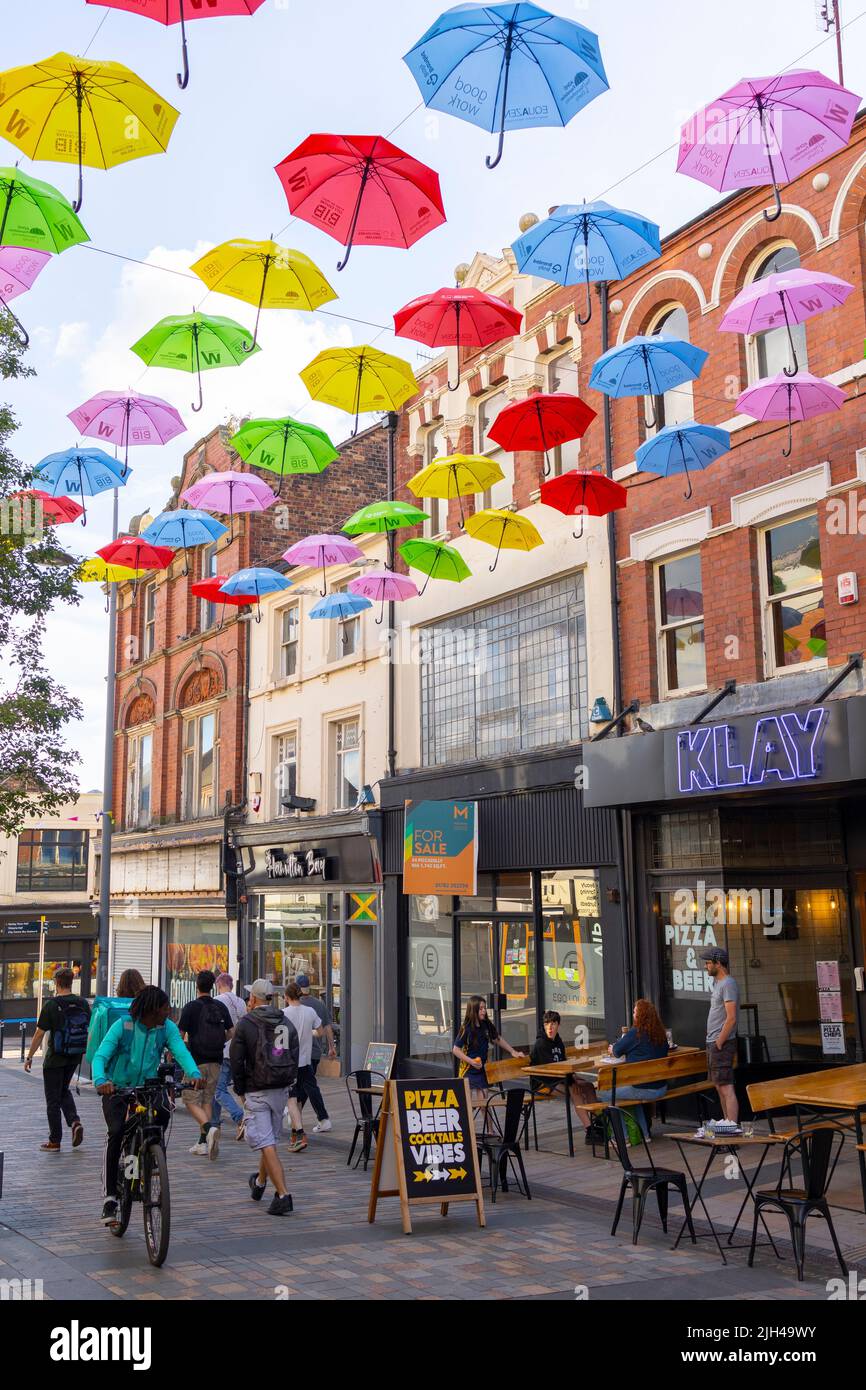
108, 1008
264, 1064
225, 987
206, 1025
63, 1022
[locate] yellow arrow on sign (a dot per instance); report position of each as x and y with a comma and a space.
457, 1172
421, 1177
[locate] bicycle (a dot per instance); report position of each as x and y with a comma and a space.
142, 1174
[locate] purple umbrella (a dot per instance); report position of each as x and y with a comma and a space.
124, 418
765, 129
384, 585
229, 493
791, 296
790, 398
319, 551
18, 269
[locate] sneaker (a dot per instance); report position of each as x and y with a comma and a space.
109, 1211
299, 1142
281, 1206
256, 1192
77, 1133
49, 1147
241, 1130
322, 1127
212, 1144
199, 1148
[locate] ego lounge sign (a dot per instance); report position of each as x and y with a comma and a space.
783, 748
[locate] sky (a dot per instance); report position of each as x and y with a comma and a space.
260, 85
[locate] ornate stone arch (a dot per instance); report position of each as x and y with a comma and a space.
673, 282
796, 225
139, 705
848, 206
200, 679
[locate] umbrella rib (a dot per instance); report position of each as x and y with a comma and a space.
748, 113
95, 131
48, 116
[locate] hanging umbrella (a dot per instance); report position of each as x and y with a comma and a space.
459, 475
647, 367
581, 492
264, 274
507, 67
55, 510
35, 214
230, 493
790, 296
341, 607
176, 12
359, 379
541, 422
384, 586
183, 528
80, 111
284, 446
136, 553
361, 189
96, 571
257, 582
194, 343
587, 241
211, 590
676, 446
18, 270
436, 560
82, 472
320, 551
383, 516
790, 398
125, 418
457, 318
765, 130
505, 530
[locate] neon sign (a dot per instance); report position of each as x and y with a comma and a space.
785, 748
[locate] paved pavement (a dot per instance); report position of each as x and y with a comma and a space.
223, 1246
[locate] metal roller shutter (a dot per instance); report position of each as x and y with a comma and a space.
133, 950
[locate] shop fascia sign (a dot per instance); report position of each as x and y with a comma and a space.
311, 863
784, 748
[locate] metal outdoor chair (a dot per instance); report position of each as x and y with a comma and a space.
502, 1149
818, 1150
643, 1181
366, 1106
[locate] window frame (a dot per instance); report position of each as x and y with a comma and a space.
190, 784
663, 630
75, 880
338, 649
336, 757
148, 621
557, 465
292, 731
752, 340
772, 669
284, 644
208, 569
493, 451
435, 507
134, 740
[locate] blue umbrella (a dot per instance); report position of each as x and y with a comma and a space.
676, 446
80, 473
255, 582
184, 527
647, 367
507, 67
588, 241
342, 606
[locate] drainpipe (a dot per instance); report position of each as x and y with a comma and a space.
229, 810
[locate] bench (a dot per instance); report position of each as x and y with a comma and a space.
766, 1097
687, 1072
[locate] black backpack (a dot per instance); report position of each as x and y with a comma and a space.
209, 1037
70, 1039
275, 1064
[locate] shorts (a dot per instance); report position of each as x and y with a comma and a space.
263, 1112
720, 1062
211, 1073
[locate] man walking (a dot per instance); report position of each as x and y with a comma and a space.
722, 1029
64, 1022
306, 1022
314, 1094
205, 1025
264, 1063
223, 1096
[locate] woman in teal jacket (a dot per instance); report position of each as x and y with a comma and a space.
130, 1054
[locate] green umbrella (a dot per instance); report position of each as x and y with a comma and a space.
194, 343
436, 560
383, 516
284, 446
36, 214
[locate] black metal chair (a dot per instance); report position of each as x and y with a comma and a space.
361, 1098
643, 1181
503, 1149
815, 1147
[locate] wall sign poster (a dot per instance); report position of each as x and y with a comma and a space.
380, 1058
830, 1008
440, 847
833, 1038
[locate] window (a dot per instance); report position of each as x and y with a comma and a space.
435, 446
500, 494
200, 766
506, 677
285, 771
346, 763
149, 620
207, 570
344, 637
430, 971
562, 376
289, 631
51, 861
22, 978
682, 658
678, 404
138, 779
769, 353
796, 631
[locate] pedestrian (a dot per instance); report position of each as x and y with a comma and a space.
722, 1029
108, 1008
306, 1022
264, 1063
472, 1046
314, 1095
645, 1041
206, 1026
549, 1046
223, 1097
63, 1023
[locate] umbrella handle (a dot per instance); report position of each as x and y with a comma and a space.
198, 407
789, 371
498, 549
581, 320
578, 535
509, 44
322, 592
79, 99
651, 424
786, 453
252, 346
777, 211
368, 164
24, 336
183, 77
456, 385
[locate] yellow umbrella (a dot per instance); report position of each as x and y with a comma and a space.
98, 571
359, 378
505, 530
265, 274
460, 475
80, 111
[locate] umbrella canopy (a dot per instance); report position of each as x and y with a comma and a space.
646, 367
507, 67
383, 516
182, 528
81, 111
767, 130
257, 582
55, 510
18, 270
541, 422
359, 379
459, 475
340, 606
581, 492
361, 189
178, 12
194, 343
36, 214
265, 274
384, 586
230, 493
284, 446
320, 551
124, 418
436, 560
505, 530
212, 590
80, 472
457, 318
136, 553
98, 571
676, 447
790, 398
790, 296
587, 241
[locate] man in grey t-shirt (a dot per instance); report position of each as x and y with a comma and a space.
722, 1029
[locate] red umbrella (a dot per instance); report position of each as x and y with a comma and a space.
361, 188
175, 12
457, 318
211, 590
541, 422
582, 493
55, 510
137, 554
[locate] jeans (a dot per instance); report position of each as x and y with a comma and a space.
637, 1093
224, 1097
58, 1097
307, 1089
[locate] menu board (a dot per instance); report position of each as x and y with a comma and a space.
830, 1008
380, 1058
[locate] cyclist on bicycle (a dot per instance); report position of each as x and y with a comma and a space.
129, 1055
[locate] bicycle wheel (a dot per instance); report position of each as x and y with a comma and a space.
157, 1203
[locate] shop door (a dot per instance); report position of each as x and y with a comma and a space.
497, 961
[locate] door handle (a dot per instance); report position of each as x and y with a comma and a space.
859, 979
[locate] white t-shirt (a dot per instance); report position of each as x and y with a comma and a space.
237, 1010
305, 1020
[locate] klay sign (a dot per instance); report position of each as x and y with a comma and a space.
784, 748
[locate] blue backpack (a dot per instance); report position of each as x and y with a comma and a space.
70, 1039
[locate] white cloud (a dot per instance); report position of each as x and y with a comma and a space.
71, 340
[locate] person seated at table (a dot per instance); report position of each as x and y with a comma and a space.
472, 1047
644, 1042
550, 1047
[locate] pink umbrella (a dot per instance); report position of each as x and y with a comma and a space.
765, 129
384, 585
18, 269
320, 551
790, 398
791, 296
229, 493
125, 418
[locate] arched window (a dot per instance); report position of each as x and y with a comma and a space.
769, 353
678, 404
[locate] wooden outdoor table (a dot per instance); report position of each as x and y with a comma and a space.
726, 1143
842, 1089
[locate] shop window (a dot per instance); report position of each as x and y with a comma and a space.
51, 861
192, 945
795, 627
345, 761
21, 978
676, 405
430, 973
572, 953
500, 494
200, 766
435, 447
149, 600
770, 353
285, 771
680, 616
296, 937
344, 636
208, 569
290, 625
562, 376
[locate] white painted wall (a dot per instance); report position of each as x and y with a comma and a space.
75, 815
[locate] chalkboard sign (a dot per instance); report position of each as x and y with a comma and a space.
380, 1058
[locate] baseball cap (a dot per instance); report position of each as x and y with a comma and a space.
717, 954
262, 989
302, 981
